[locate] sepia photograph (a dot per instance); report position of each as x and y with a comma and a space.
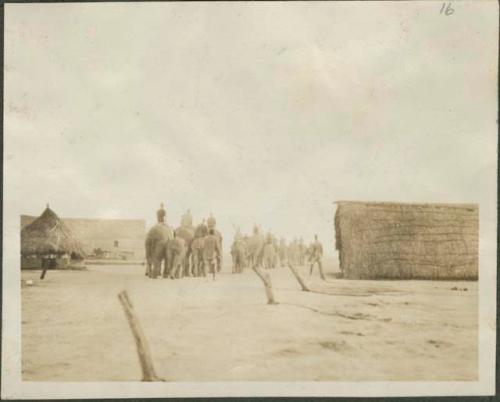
249, 199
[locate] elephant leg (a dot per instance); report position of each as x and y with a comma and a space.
195, 264
190, 262
168, 265
219, 262
190, 267
203, 267
187, 271
156, 268
184, 267
174, 269
199, 263
178, 266
211, 264
165, 267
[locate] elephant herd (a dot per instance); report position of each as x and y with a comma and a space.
190, 251
265, 251
185, 251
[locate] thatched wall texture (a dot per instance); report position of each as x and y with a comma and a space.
49, 235
381, 240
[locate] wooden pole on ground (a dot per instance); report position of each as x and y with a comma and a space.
148, 371
266, 280
43, 273
295, 273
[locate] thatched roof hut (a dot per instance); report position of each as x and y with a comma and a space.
49, 235
377, 240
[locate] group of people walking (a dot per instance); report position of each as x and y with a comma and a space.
267, 252
183, 252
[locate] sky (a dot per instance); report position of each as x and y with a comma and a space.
262, 113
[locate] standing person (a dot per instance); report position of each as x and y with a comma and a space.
282, 251
316, 256
211, 251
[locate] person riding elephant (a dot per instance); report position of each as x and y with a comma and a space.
211, 222
156, 245
187, 234
187, 219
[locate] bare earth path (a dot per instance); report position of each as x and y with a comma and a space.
73, 328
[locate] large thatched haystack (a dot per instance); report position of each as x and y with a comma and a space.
378, 240
48, 235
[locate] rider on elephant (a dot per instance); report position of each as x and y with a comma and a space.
211, 222
187, 220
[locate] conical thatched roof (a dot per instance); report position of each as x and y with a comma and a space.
49, 235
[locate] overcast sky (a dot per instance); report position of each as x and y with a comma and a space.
260, 113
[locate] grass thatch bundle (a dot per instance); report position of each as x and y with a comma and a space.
378, 240
49, 235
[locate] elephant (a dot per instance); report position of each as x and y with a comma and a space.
282, 252
269, 256
197, 257
187, 234
219, 257
176, 257
156, 249
238, 252
256, 247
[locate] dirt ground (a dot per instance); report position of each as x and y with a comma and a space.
74, 328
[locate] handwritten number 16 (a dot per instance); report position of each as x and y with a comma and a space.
446, 9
